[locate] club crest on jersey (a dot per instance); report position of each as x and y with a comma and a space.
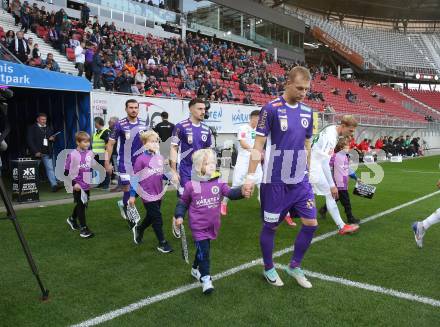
204, 137
304, 122
215, 190
283, 124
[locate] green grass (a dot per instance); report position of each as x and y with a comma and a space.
87, 278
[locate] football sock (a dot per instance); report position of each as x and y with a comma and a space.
225, 200
332, 208
434, 218
267, 238
302, 243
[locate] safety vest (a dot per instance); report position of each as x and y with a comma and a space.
98, 145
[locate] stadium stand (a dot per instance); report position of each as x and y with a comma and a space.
431, 98
217, 70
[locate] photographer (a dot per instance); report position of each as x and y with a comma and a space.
3, 147
40, 140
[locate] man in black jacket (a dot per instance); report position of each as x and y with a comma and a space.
164, 128
39, 139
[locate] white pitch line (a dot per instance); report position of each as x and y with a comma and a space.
370, 287
185, 288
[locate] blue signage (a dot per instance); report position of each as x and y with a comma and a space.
19, 75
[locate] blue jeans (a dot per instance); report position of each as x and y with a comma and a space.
48, 165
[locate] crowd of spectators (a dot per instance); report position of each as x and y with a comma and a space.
117, 61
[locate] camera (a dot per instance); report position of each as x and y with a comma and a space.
5, 95
207, 107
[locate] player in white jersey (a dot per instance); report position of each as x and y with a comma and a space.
321, 176
246, 138
420, 227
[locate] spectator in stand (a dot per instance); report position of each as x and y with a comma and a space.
25, 18
10, 38
20, 48
140, 78
130, 67
108, 76
80, 58
16, 11
36, 55
30, 43
50, 63
230, 95
97, 65
164, 129
124, 82
247, 99
335, 91
88, 63
350, 96
85, 13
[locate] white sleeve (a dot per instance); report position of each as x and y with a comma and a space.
328, 172
241, 135
322, 148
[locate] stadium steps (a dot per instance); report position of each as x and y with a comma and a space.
434, 111
7, 22
434, 54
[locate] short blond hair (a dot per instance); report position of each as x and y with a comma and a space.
200, 156
147, 135
349, 121
300, 71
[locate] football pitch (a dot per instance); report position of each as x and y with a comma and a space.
377, 277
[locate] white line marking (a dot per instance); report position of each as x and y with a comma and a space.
372, 288
185, 288
420, 171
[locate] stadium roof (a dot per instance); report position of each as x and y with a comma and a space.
378, 9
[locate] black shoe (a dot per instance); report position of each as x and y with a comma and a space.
322, 213
72, 223
137, 235
164, 247
353, 220
85, 232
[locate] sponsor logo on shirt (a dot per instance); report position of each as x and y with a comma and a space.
305, 115
262, 121
304, 108
208, 202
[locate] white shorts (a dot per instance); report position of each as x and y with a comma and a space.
319, 183
240, 173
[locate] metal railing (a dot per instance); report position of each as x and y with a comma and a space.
7, 55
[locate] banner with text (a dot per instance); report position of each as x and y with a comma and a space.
224, 118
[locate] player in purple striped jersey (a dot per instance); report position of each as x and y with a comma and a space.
127, 133
189, 136
285, 126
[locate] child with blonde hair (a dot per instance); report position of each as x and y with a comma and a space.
148, 184
78, 167
202, 197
